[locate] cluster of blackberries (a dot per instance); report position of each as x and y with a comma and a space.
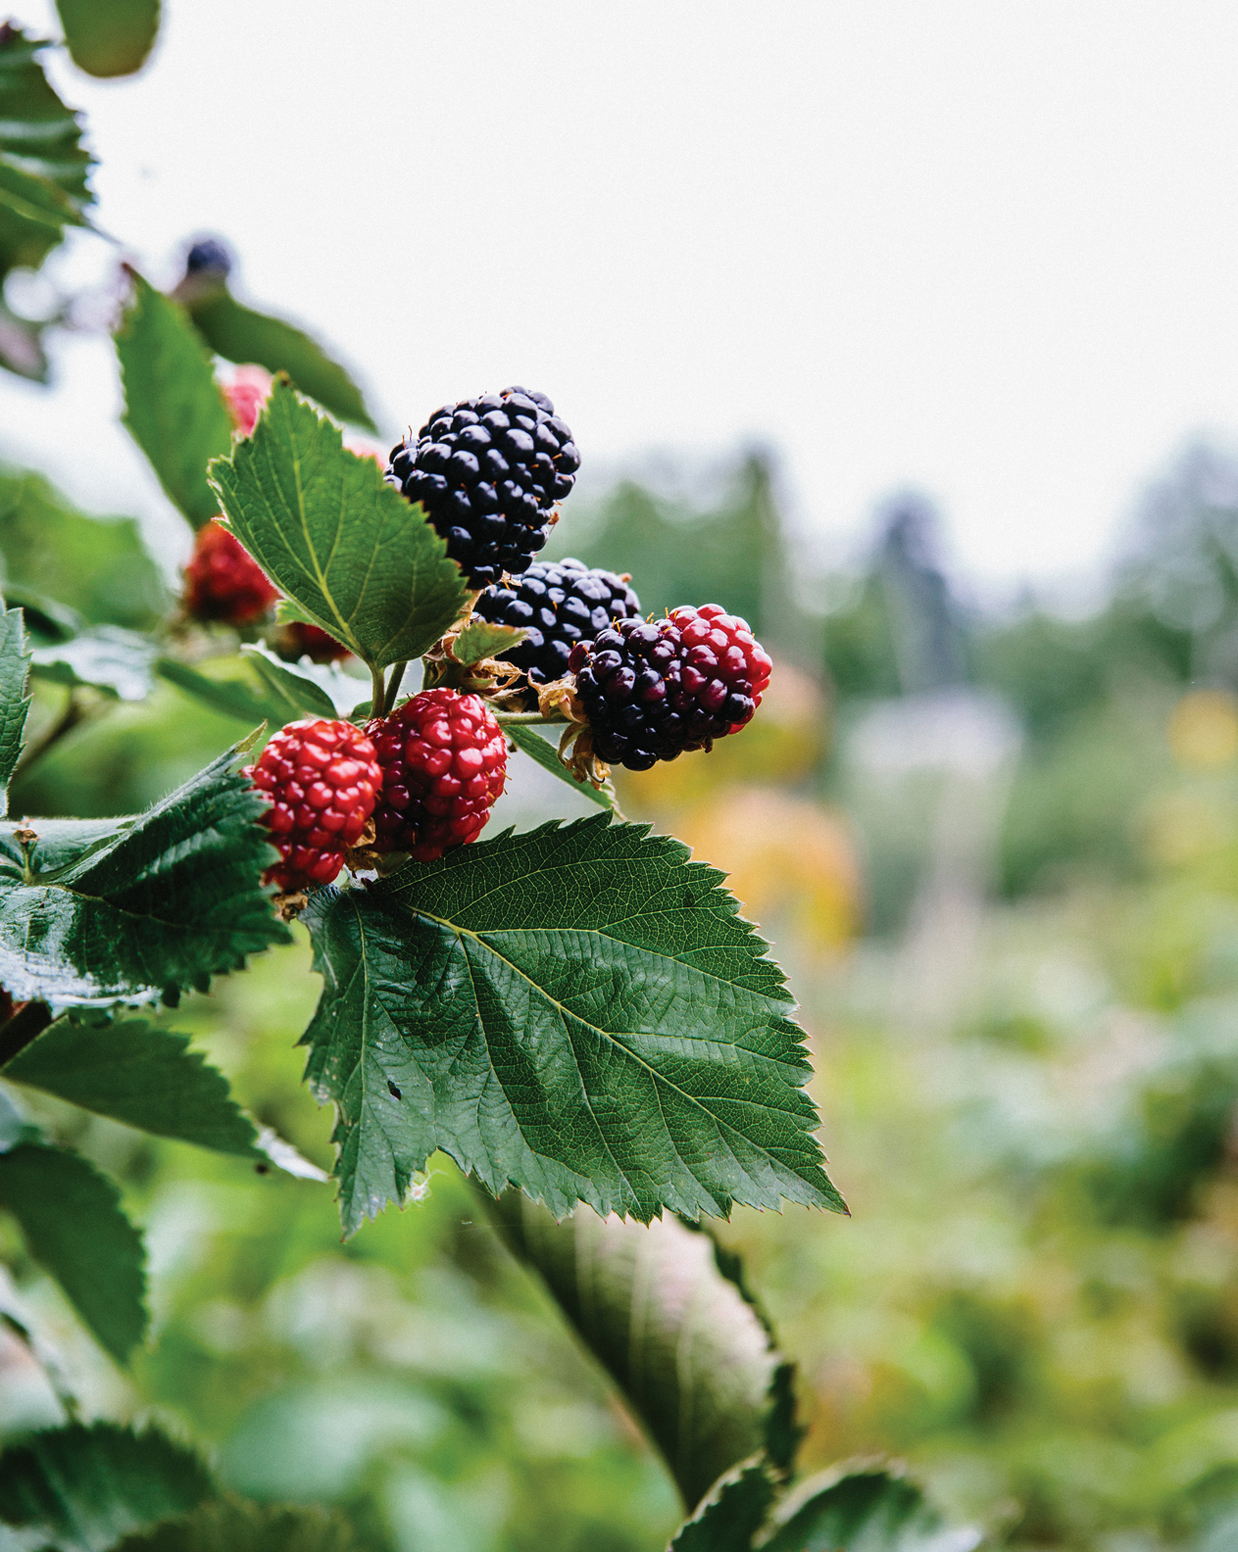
653, 689
488, 471
559, 603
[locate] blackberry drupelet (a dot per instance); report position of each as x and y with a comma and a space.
652, 689
559, 603
488, 471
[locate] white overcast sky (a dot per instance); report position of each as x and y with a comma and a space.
988, 250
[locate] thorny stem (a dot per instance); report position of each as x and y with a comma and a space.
27, 1024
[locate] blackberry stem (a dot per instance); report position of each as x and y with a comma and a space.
526, 718
393, 686
378, 691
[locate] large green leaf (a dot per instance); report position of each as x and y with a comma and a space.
173, 407
79, 1489
731, 1515
233, 1525
362, 562
164, 902
109, 37
96, 565
118, 662
75, 1229
139, 1074
14, 699
866, 1509
242, 335
43, 165
578, 1011
297, 687
658, 1309
542, 752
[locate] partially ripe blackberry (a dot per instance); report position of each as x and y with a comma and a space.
444, 762
299, 639
246, 396
322, 779
223, 581
488, 471
559, 603
652, 689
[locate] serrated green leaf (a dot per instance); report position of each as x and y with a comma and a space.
108, 38
167, 901
43, 166
96, 565
81, 1488
869, 1508
235, 697
341, 689
480, 639
173, 407
578, 1011
733, 1512
118, 662
233, 1525
14, 696
544, 753
61, 842
363, 563
292, 685
75, 1229
141, 1075
242, 335
689, 1352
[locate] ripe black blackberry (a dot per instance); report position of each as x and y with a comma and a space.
652, 689
488, 471
559, 603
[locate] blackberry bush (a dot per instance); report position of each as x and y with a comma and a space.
488, 472
559, 603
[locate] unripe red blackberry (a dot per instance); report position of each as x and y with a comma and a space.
488, 471
559, 603
652, 689
322, 779
223, 581
298, 639
444, 762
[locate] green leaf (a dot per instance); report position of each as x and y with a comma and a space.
60, 842
865, 1509
233, 1525
43, 165
362, 562
691, 1355
732, 1513
173, 407
294, 685
80, 1488
109, 37
118, 662
96, 565
546, 754
234, 697
75, 1229
480, 639
578, 1011
242, 335
341, 689
165, 902
141, 1075
14, 699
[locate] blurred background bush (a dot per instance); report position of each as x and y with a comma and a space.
998, 855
